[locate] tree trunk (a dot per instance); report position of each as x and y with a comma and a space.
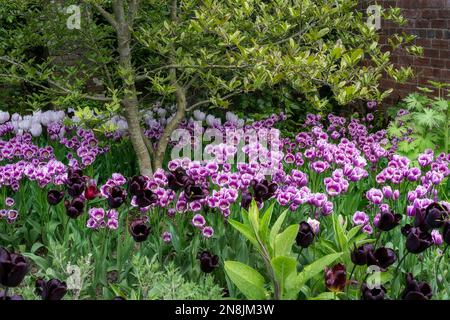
180, 94
130, 100
170, 127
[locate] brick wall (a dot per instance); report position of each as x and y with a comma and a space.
429, 20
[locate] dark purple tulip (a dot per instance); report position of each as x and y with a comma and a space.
146, 198
139, 230
54, 197
382, 257
336, 278
208, 261
178, 179
76, 184
388, 221
418, 239
416, 290
53, 289
446, 232
359, 255
435, 215
305, 235
194, 192
9, 298
13, 268
116, 197
74, 208
137, 185
263, 190
372, 294
246, 200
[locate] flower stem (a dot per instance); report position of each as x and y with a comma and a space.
350, 278
6, 293
400, 262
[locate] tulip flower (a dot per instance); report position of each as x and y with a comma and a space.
305, 235
116, 197
372, 294
54, 197
208, 261
388, 221
139, 230
74, 208
415, 290
53, 289
381, 257
417, 238
359, 255
336, 278
435, 215
91, 192
13, 268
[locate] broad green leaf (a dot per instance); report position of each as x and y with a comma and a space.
353, 232
253, 216
245, 231
285, 240
249, 281
312, 270
283, 268
276, 228
41, 262
265, 222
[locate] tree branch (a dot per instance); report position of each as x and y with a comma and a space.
200, 103
108, 16
63, 89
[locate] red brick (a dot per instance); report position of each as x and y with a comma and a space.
437, 63
439, 24
444, 54
428, 14
431, 53
422, 61
440, 44
426, 43
422, 23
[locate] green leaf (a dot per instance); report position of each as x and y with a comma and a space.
265, 221
276, 228
283, 268
285, 240
41, 262
253, 216
249, 281
245, 231
339, 234
353, 232
325, 296
314, 269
